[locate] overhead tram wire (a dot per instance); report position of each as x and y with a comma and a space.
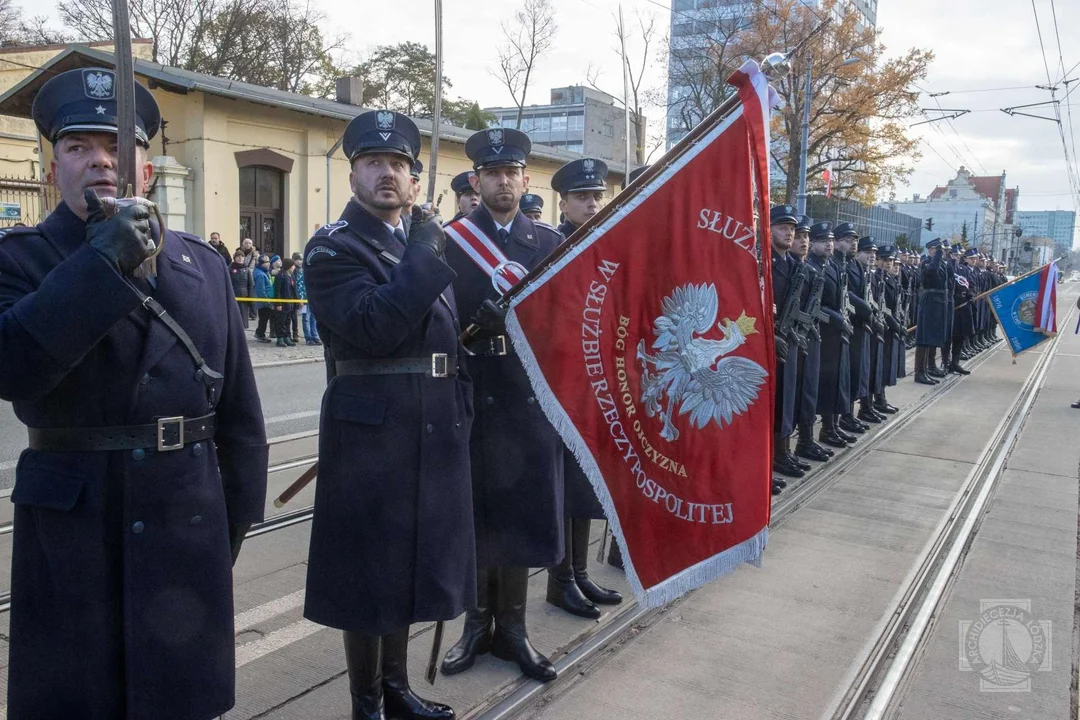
1068, 91
1069, 166
960, 137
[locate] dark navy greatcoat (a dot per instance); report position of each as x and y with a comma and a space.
809, 360
964, 313
581, 501
950, 299
784, 269
860, 340
121, 587
877, 347
517, 457
392, 535
931, 319
835, 375
895, 352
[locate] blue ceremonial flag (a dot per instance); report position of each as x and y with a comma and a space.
1015, 306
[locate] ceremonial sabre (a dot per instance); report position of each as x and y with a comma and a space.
127, 167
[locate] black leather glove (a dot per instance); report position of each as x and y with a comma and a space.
124, 239
426, 231
781, 348
236, 538
491, 318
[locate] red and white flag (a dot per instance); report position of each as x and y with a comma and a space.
827, 177
650, 348
1046, 305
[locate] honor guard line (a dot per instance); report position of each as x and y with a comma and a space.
991, 291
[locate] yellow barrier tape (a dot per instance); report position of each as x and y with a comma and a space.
270, 301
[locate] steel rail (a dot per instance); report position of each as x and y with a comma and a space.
528, 692
872, 687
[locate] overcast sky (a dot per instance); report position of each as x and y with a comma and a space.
978, 44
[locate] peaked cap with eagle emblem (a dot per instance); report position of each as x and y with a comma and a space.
84, 100
498, 146
584, 175
381, 131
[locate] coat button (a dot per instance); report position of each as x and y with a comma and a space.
144, 380
196, 520
197, 449
490, 401
430, 428
138, 454
531, 400
138, 527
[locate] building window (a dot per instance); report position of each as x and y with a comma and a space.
575, 147
558, 123
575, 123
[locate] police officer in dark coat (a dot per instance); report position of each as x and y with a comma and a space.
532, 206
931, 326
887, 278
846, 247
581, 185
392, 534
835, 376
147, 451
866, 259
810, 357
517, 457
466, 196
788, 277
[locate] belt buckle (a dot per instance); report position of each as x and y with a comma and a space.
497, 345
162, 424
440, 365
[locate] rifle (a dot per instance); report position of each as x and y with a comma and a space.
814, 314
845, 302
790, 314
877, 317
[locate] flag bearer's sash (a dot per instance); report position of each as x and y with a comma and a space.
487, 254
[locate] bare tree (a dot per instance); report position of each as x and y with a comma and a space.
644, 36
169, 24
527, 37
15, 29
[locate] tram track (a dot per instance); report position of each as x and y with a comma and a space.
874, 687
632, 618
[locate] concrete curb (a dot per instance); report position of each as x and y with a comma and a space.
286, 363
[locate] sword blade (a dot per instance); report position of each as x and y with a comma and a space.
125, 100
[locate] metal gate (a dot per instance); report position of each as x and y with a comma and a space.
27, 202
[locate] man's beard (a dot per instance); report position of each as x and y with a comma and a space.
371, 197
500, 202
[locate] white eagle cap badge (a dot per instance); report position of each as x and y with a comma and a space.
97, 84
384, 120
495, 137
588, 165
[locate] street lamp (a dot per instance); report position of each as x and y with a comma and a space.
801, 204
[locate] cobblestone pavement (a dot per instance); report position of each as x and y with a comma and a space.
268, 353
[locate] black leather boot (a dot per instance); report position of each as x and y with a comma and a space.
476, 635
882, 405
931, 363
401, 702
848, 423
592, 591
806, 447
614, 555
511, 638
921, 376
829, 434
363, 658
866, 414
562, 588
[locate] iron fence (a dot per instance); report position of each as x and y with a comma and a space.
26, 201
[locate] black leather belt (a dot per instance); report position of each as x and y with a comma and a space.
495, 346
437, 365
170, 433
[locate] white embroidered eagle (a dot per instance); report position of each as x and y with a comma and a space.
99, 84
692, 372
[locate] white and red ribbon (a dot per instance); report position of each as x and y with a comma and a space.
486, 254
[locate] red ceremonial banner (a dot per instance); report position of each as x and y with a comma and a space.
650, 347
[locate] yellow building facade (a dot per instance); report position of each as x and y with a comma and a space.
233, 158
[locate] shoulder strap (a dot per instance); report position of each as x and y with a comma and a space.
154, 308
